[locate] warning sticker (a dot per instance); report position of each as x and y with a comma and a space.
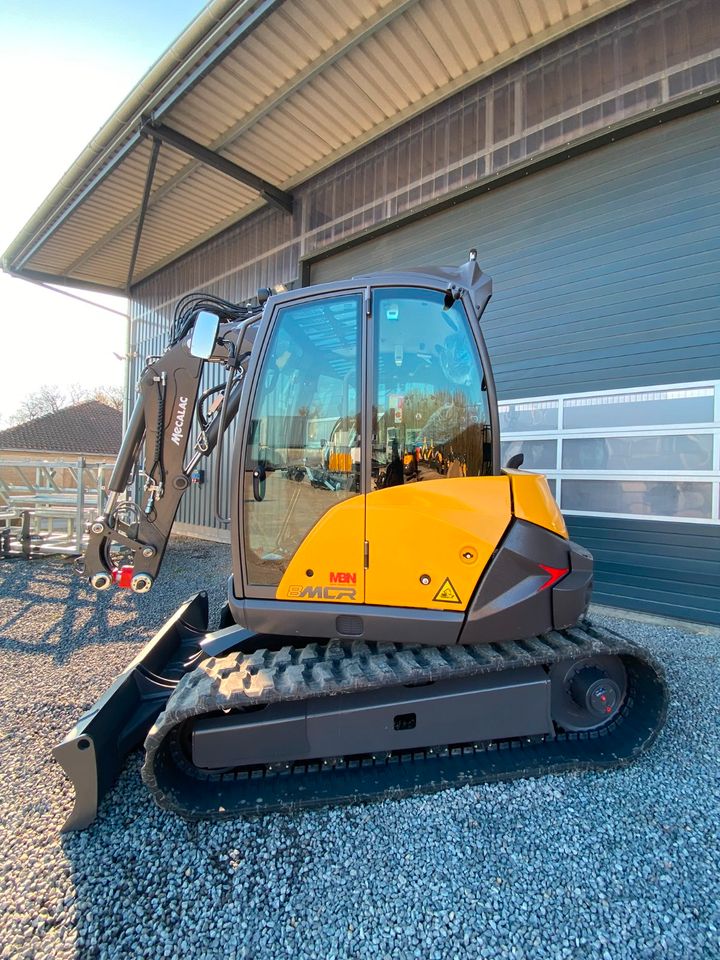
447, 593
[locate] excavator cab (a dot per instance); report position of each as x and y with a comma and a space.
403, 613
349, 385
368, 431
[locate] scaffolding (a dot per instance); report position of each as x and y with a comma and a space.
45, 504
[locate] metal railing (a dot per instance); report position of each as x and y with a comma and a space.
44, 504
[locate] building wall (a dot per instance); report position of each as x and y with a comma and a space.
669, 569
631, 220
606, 273
641, 58
606, 268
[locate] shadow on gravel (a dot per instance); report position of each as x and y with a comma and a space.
46, 609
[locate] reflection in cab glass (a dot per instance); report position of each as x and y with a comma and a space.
430, 410
303, 454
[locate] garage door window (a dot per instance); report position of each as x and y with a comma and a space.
651, 453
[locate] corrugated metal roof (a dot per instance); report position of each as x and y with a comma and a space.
281, 88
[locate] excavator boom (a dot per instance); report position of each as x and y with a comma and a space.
161, 448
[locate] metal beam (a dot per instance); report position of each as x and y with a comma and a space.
271, 193
143, 208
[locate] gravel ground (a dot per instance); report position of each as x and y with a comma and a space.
582, 866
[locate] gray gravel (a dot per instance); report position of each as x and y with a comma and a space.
582, 866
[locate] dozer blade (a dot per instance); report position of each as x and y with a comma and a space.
93, 752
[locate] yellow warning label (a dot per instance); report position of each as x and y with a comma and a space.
447, 593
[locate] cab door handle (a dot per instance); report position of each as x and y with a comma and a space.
259, 478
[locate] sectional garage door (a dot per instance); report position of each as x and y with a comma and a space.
604, 329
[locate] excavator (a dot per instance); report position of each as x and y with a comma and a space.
404, 614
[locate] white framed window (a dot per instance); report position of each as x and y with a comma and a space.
650, 452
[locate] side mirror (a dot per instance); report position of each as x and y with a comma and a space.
515, 462
204, 335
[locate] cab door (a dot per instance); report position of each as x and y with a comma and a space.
434, 512
303, 506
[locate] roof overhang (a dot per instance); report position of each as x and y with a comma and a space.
251, 101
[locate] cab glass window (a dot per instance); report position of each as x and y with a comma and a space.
303, 451
430, 417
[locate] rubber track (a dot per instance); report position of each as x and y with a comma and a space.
337, 667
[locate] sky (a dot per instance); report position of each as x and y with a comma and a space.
64, 67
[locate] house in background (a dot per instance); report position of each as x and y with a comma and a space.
92, 430
56, 466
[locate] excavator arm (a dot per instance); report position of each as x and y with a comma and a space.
160, 449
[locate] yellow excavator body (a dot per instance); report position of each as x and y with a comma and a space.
404, 613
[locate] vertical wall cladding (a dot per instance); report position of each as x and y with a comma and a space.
606, 272
640, 57
615, 68
606, 269
668, 569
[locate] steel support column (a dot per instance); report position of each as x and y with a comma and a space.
152, 163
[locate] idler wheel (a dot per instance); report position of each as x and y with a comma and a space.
587, 694
595, 692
